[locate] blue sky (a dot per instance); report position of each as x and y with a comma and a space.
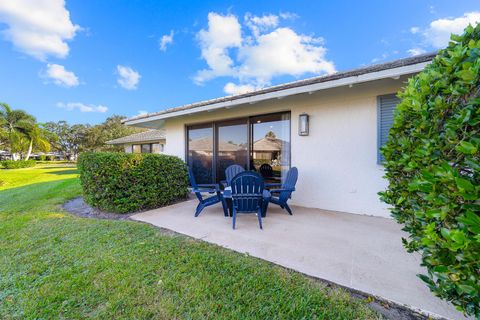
82, 61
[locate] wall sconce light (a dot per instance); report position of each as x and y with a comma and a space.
303, 124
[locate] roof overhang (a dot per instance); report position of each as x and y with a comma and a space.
393, 73
113, 142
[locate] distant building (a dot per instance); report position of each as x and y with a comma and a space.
152, 141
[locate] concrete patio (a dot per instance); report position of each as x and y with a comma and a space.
360, 252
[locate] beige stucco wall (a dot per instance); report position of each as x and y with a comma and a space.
337, 162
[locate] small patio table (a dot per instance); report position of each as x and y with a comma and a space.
227, 195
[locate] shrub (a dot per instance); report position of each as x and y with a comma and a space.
121, 182
10, 164
433, 168
42, 157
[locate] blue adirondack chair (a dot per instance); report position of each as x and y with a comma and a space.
231, 172
247, 195
281, 192
213, 189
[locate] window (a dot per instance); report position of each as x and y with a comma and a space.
146, 148
157, 148
385, 112
136, 148
260, 143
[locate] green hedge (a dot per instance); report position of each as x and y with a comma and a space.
433, 168
10, 164
122, 182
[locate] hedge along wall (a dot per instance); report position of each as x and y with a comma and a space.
433, 168
121, 182
10, 164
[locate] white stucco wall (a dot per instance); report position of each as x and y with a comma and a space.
337, 162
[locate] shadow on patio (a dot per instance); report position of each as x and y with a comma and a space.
361, 252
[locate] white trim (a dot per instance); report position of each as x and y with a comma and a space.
383, 74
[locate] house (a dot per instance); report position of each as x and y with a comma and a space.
151, 141
329, 127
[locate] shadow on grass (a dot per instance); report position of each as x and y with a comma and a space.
63, 172
39, 196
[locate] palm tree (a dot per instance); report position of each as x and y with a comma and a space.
15, 124
37, 138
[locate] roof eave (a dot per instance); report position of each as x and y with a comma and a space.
310, 88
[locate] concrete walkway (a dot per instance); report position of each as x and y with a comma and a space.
360, 252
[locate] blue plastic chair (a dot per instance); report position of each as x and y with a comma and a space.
247, 195
205, 188
281, 192
266, 170
231, 172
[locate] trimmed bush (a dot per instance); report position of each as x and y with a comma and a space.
122, 182
10, 164
433, 168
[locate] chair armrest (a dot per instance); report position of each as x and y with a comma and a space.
205, 190
270, 185
282, 190
209, 185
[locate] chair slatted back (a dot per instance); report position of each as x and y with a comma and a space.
289, 183
266, 170
232, 171
247, 191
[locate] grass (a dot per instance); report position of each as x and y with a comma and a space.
55, 265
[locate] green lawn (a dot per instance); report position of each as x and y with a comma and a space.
55, 265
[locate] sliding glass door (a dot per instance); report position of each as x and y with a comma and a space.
232, 145
200, 152
260, 143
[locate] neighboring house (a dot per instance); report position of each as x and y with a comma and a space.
5, 155
151, 141
329, 127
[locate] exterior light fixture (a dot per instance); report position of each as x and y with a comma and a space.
303, 124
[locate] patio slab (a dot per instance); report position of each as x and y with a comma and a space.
361, 252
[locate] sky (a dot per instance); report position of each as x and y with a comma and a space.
84, 60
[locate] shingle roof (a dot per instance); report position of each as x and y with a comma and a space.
150, 135
339, 75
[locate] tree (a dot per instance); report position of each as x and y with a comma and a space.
433, 168
68, 140
112, 128
15, 125
37, 138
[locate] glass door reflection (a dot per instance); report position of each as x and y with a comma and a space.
270, 146
200, 152
232, 145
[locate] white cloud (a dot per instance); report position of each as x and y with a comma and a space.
414, 30
82, 107
127, 77
39, 28
232, 88
261, 24
223, 32
438, 33
416, 51
60, 76
166, 40
266, 52
141, 113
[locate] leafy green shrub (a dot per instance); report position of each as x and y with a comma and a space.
10, 164
50, 158
433, 168
122, 182
42, 157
